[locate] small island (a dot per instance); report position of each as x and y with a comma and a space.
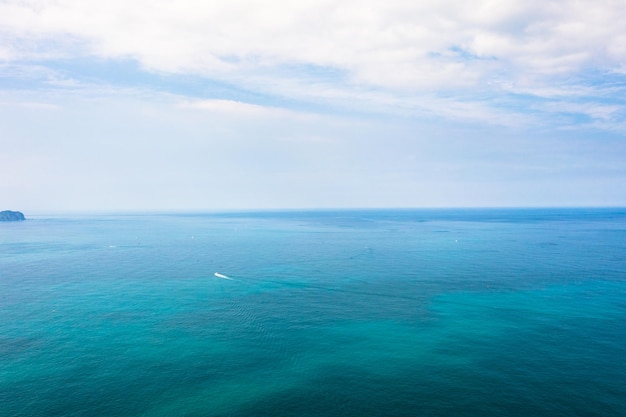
11, 216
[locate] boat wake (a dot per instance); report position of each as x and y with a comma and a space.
218, 275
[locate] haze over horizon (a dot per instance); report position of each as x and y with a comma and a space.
202, 105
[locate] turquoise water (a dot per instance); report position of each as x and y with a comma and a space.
348, 313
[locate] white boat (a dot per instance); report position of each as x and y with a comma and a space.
217, 274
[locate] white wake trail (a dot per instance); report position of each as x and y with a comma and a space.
217, 274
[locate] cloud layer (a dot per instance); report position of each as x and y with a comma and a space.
399, 45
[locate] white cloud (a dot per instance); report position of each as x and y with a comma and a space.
395, 44
595, 111
444, 58
29, 105
240, 109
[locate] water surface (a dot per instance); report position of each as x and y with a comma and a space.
328, 313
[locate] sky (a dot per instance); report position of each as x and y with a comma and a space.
195, 105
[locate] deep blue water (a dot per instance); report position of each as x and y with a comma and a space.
327, 313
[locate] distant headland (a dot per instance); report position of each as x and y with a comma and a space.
11, 216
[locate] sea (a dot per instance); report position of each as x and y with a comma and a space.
438, 312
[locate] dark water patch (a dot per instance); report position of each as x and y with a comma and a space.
17, 346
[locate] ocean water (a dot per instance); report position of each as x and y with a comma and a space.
344, 313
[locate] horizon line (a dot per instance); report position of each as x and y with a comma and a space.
140, 212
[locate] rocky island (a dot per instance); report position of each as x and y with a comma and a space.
11, 216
